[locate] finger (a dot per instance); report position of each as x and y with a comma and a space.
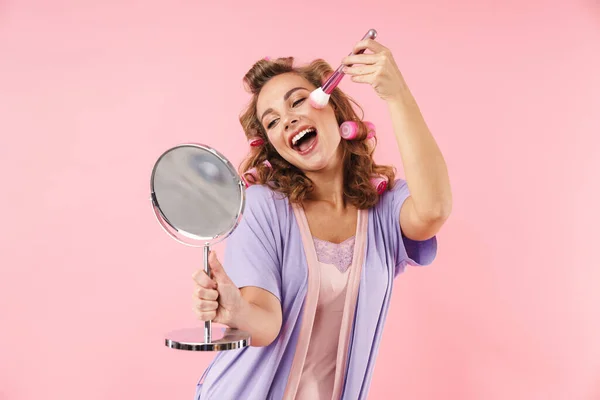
368, 78
217, 268
207, 305
206, 294
203, 280
369, 44
367, 59
360, 70
206, 315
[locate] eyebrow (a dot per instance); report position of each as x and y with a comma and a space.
285, 97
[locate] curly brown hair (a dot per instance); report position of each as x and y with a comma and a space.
284, 177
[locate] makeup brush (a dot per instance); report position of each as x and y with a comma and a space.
320, 97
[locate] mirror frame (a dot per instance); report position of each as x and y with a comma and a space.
164, 221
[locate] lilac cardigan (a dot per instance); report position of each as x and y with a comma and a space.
266, 251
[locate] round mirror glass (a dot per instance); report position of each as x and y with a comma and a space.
197, 192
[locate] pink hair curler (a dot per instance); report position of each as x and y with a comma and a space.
349, 130
256, 142
380, 183
370, 129
253, 172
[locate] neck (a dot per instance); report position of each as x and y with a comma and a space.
329, 184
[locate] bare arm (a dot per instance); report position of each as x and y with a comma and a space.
259, 314
250, 309
430, 201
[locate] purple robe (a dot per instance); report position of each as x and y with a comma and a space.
266, 250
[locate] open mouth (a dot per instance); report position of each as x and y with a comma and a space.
304, 140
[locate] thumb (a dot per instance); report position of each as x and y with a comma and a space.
216, 268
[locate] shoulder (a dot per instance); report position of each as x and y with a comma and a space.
264, 195
257, 193
398, 186
264, 201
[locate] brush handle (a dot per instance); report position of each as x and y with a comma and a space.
337, 76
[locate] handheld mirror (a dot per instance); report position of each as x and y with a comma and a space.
198, 198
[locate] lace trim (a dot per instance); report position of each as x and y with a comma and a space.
338, 254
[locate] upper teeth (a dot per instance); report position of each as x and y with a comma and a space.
300, 135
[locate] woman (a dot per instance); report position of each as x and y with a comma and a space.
310, 269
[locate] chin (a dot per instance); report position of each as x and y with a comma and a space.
315, 165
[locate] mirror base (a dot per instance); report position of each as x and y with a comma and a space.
192, 339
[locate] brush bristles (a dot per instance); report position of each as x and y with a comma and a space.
318, 98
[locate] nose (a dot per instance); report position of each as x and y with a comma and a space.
291, 122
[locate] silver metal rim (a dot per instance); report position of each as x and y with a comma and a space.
232, 340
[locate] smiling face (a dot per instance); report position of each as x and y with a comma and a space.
304, 136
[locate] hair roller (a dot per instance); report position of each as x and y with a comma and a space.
254, 173
256, 141
370, 129
349, 130
380, 183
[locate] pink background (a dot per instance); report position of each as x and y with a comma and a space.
92, 92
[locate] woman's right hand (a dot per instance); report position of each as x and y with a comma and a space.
217, 299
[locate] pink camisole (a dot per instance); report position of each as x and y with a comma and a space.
318, 375
318, 367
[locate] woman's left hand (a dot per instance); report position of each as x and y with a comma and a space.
377, 69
